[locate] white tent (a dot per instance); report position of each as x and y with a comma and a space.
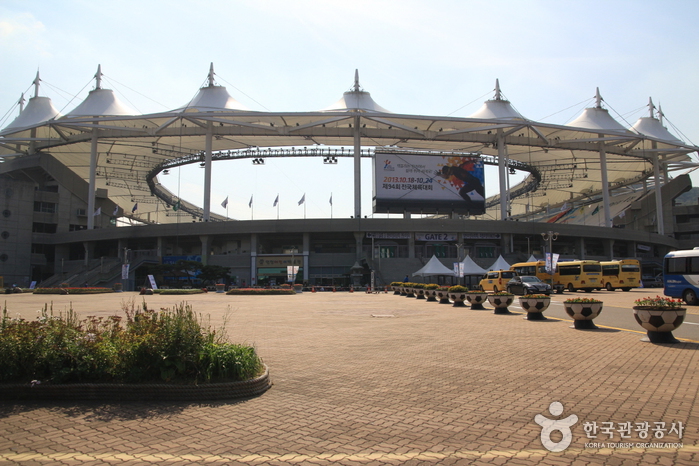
500, 264
432, 268
532, 259
471, 268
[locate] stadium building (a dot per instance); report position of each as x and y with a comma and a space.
70, 182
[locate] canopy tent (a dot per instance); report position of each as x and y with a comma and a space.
432, 268
500, 264
471, 268
532, 259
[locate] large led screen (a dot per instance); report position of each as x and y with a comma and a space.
428, 183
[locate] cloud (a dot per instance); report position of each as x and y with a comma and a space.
22, 33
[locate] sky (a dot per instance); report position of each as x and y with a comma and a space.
436, 57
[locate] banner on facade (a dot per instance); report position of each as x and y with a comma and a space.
428, 183
125, 271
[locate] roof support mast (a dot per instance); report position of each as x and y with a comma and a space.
502, 168
656, 175
93, 162
603, 168
357, 158
208, 157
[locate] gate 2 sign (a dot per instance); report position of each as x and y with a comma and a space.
428, 183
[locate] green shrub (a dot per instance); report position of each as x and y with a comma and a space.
169, 345
167, 292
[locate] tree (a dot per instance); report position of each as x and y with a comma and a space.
214, 273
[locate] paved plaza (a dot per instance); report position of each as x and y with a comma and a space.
379, 379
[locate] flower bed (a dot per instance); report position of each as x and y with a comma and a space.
260, 291
169, 346
73, 290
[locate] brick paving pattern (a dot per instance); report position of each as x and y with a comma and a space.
381, 380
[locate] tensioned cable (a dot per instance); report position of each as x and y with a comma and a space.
243, 93
6, 115
567, 108
133, 90
74, 96
466, 105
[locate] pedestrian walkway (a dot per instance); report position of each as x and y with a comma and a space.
379, 379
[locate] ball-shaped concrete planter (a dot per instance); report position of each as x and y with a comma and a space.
431, 295
408, 292
458, 298
583, 313
659, 323
501, 302
476, 299
443, 296
419, 293
535, 306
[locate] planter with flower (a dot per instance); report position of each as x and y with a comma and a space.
431, 291
396, 287
476, 298
583, 310
457, 294
535, 305
501, 301
408, 290
443, 295
659, 316
220, 287
419, 290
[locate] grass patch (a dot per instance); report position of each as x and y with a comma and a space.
170, 345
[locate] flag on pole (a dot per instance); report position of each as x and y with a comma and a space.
224, 204
331, 199
134, 208
303, 199
116, 211
276, 201
97, 212
250, 204
177, 206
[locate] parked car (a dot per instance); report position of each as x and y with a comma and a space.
496, 280
528, 284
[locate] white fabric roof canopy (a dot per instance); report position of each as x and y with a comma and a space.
131, 146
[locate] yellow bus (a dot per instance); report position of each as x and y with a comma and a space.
624, 274
579, 275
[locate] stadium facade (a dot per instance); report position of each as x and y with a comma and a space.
67, 181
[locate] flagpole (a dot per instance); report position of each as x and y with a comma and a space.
278, 208
331, 206
304, 206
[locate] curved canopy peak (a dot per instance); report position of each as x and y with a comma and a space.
654, 128
597, 118
356, 99
38, 110
211, 99
101, 102
497, 108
